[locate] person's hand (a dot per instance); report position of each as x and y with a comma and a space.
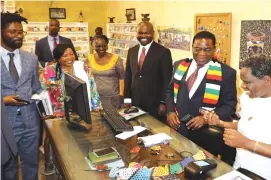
161, 110
234, 138
173, 120
196, 123
11, 101
212, 119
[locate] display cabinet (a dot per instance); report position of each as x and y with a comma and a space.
8, 5
77, 32
122, 36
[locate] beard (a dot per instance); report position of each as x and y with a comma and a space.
11, 43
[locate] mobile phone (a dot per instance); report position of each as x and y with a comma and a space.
186, 118
22, 100
103, 152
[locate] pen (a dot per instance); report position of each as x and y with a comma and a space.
176, 111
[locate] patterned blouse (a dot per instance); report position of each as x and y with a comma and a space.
56, 90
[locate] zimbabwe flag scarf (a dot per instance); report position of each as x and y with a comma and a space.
213, 83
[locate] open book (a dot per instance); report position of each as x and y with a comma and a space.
43, 103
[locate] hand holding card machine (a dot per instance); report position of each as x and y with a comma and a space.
103, 152
198, 168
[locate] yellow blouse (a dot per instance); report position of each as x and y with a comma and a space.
105, 67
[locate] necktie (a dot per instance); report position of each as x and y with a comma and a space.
190, 81
12, 69
55, 43
141, 58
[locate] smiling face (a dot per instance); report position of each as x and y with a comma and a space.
67, 59
253, 86
100, 46
12, 36
145, 33
203, 50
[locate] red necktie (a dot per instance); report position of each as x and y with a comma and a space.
141, 58
55, 43
190, 81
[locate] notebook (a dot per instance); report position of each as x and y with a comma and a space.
102, 159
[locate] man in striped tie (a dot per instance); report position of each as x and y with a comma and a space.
200, 82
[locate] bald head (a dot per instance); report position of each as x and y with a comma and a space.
54, 27
145, 33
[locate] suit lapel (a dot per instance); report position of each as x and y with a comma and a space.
135, 59
47, 47
151, 55
25, 67
5, 72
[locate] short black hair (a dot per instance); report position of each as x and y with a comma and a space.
7, 18
206, 35
101, 37
260, 65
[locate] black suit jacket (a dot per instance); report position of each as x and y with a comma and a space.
227, 101
8, 143
147, 88
42, 49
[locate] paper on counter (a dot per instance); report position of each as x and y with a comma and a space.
125, 135
155, 139
233, 175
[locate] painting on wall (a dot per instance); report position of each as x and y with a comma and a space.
174, 37
255, 38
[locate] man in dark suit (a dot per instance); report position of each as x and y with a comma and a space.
201, 82
148, 72
19, 81
8, 144
45, 46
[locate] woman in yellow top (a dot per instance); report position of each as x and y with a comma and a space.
108, 72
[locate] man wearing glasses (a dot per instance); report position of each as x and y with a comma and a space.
203, 83
19, 81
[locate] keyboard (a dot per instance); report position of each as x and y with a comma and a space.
117, 122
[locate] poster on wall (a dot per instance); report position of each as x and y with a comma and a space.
255, 38
173, 37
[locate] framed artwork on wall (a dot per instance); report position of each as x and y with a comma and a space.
132, 12
57, 13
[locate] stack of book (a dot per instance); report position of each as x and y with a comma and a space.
96, 160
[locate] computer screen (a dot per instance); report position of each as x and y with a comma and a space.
76, 89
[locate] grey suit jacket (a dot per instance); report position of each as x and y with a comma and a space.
8, 143
27, 85
42, 49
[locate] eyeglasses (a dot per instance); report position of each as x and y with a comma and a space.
205, 49
16, 33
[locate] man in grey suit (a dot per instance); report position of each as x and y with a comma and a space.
8, 144
45, 46
19, 81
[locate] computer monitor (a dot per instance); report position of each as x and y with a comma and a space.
76, 90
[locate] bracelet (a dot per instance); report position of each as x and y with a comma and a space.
255, 146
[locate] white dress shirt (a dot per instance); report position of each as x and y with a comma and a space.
51, 42
255, 124
6, 59
147, 47
201, 74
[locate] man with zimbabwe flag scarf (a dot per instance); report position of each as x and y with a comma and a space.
199, 83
